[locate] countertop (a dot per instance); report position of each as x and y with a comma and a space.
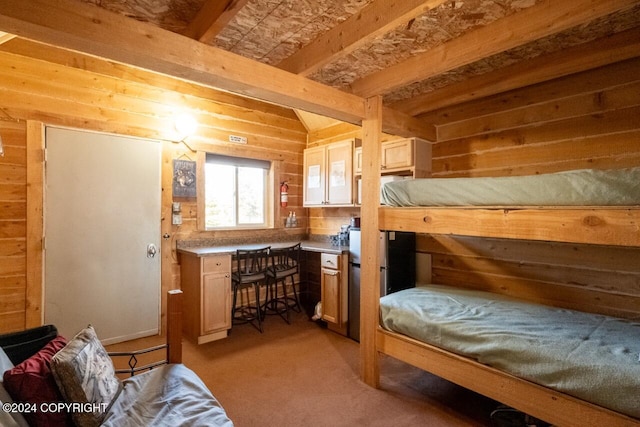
306, 245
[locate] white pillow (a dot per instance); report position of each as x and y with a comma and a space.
5, 364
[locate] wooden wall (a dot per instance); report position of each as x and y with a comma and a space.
55, 87
13, 224
584, 121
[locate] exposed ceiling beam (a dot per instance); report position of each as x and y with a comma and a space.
395, 122
541, 20
604, 51
379, 17
4, 37
114, 37
110, 36
213, 16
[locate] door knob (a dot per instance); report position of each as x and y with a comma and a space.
151, 250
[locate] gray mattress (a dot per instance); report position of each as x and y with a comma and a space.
592, 357
585, 187
171, 395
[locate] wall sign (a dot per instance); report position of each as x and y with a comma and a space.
184, 178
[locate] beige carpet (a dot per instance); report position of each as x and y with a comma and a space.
305, 375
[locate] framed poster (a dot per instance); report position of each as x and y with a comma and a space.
184, 178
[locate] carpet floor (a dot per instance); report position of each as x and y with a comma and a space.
305, 375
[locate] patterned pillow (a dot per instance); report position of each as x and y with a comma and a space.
85, 374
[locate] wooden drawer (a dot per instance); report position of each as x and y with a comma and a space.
217, 264
330, 261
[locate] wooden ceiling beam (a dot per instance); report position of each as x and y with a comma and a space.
541, 20
5, 37
601, 52
378, 18
110, 36
398, 123
213, 16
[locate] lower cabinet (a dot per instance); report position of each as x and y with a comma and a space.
334, 289
206, 287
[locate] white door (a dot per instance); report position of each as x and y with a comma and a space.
102, 211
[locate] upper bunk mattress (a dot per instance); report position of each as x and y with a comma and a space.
592, 357
585, 187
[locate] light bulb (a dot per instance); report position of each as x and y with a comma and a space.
185, 125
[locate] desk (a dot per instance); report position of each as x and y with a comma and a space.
205, 277
307, 245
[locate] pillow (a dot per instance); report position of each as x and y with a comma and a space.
5, 363
32, 382
21, 345
85, 374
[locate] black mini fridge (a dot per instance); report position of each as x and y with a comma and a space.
397, 269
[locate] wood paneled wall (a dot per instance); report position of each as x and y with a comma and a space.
584, 121
13, 225
60, 88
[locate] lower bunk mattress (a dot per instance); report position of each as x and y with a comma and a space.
592, 357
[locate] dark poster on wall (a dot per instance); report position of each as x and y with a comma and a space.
184, 178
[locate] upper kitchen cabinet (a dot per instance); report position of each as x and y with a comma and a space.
328, 174
406, 157
410, 155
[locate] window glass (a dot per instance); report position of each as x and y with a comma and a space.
235, 192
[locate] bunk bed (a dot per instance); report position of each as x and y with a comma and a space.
612, 218
581, 206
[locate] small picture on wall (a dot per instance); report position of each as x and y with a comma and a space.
184, 178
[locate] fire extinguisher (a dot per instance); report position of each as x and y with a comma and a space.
284, 194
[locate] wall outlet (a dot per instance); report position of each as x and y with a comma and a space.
176, 219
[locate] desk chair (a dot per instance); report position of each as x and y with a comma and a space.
251, 272
285, 263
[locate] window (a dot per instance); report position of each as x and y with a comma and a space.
235, 192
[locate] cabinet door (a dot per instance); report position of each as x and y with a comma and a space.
330, 284
340, 173
357, 161
314, 176
216, 302
397, 154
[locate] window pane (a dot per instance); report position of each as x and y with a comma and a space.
250, 196
220, 196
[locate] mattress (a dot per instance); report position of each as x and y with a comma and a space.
592, 357
584, 187
171, 395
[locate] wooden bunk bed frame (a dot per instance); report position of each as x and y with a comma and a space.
590, 225
606, 226
618, 226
